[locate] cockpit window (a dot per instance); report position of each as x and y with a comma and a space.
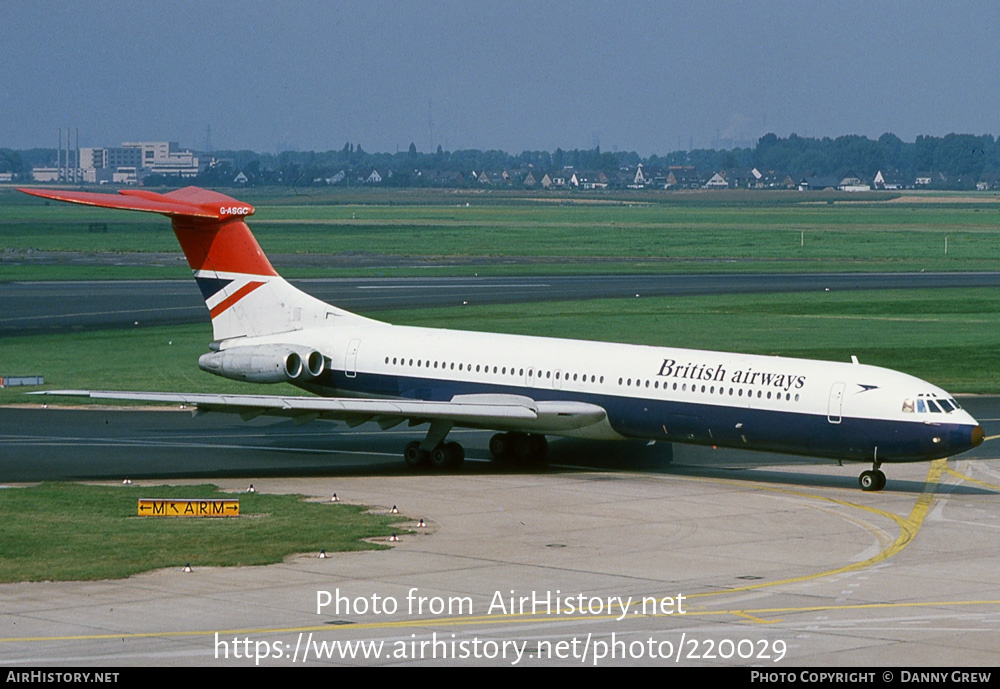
927, 403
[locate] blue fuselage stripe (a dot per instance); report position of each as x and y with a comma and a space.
774, 430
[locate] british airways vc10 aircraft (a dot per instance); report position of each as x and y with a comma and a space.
267, 331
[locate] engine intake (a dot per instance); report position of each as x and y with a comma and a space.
265, 363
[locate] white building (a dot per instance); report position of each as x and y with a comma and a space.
164, 158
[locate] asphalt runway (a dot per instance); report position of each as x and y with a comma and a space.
52, 307
677, 555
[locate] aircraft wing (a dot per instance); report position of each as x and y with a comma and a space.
497, 412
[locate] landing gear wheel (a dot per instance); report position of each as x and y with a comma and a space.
872, 480
414, 456
447, 456
522, 448
540, 447
457, 455
500, 446
531, 449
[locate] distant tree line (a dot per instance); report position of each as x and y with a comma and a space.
955, 156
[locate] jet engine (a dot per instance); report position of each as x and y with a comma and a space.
265, 363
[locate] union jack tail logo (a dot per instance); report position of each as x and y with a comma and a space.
244, 295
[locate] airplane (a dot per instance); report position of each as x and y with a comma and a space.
523, 387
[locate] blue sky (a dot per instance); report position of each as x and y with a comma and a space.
649, 77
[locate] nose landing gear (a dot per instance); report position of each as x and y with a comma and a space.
873, 479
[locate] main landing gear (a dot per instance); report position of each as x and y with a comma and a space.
872, 479
434, 450
527, 449
443, 456
523, 449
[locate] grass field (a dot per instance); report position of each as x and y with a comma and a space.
646, 232
57, 532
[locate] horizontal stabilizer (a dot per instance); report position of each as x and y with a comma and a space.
190, 202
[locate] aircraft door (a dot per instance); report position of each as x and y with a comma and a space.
835, 406
351, 359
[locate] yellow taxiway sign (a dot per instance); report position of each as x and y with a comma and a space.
153, 507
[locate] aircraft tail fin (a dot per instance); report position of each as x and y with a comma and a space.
244, 295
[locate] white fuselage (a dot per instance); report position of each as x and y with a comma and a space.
841, 410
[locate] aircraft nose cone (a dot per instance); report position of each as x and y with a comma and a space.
977, 436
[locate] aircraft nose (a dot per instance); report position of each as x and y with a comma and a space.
977, 436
